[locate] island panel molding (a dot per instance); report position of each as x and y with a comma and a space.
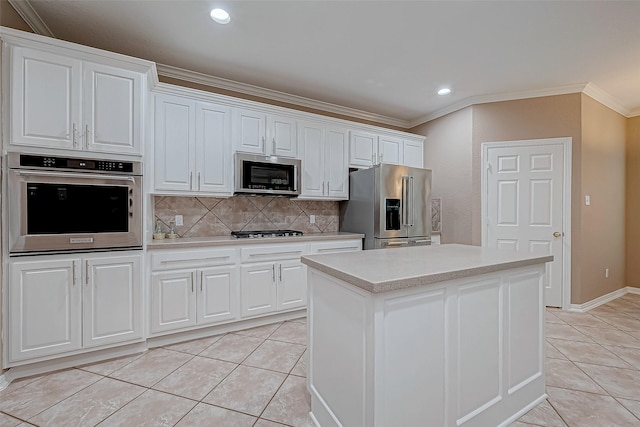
462, 351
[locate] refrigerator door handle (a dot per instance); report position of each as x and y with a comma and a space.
413, 205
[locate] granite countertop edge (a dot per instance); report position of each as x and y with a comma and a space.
216, 241
425, 279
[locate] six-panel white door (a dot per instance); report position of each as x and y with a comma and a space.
525, 205
45, 308
112, 295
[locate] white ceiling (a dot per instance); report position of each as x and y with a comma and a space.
387, 58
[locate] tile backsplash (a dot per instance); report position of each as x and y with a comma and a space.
210, 216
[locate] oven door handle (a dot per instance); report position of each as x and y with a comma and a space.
75, 175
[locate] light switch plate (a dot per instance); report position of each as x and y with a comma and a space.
587, 200
179, 220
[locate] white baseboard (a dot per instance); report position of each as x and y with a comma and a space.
604, 299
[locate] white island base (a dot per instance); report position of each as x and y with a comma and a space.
465, 351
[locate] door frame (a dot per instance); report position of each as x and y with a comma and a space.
566, 143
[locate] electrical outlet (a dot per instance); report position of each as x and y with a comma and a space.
312, 219
606, 273
179, 220
587, 200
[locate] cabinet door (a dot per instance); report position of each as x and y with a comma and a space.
46, 99
173, 302
112, 306
336, 164
413, 154
282, 138
44, 308
113, 120
217, 294
390, 150
174, 143
363, 149
249, 131
257, 289
312, 155
292, 285
214, 168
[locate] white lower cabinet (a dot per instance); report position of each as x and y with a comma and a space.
202, 293
60, 304
277, 285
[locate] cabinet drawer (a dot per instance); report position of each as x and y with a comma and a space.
316, 248
169, 260
272, 252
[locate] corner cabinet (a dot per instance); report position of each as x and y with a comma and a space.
192, 146
59, 305
61, 102
260, 133
324, 155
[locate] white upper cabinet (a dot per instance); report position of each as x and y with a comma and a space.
413, 153
64, 103
268, 134
192, 146
325, 171
113, 118
390, 150
368, 149
363, 149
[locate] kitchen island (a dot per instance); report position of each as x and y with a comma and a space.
449, 335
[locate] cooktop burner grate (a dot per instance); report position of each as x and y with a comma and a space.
252, 234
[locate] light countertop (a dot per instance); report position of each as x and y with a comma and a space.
385, 270
204, 242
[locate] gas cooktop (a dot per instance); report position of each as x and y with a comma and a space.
252, 234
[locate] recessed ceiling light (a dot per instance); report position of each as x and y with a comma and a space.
221, 16
444, 91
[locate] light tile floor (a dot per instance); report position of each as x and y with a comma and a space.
256, 377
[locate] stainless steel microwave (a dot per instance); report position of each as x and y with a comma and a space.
267, 175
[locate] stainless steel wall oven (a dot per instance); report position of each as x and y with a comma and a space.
59, 204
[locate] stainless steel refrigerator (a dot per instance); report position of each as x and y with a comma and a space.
390, 204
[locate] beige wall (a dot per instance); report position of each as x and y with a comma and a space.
633, 202
453, 151
447, 152
603, 222
10, 18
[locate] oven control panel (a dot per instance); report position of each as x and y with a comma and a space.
94, 165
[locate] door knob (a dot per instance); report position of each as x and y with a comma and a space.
558, 234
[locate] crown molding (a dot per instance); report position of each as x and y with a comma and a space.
607, 100
31, 17
247, 89
499, 97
